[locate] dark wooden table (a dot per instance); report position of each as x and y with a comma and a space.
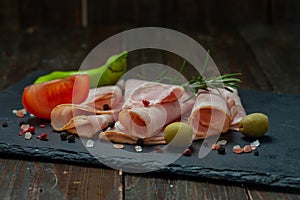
268, 57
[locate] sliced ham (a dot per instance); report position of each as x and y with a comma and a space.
98, 97
138, 91
145, 122
88, 126
69, 117
120, 135
215, 111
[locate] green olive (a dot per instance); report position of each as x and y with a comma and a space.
254, 125
178, 134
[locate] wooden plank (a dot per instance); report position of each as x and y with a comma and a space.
260, 193
229, 13
284, 11
50, 13
37, 180
149, 187
41, 49
276, 51
9, 15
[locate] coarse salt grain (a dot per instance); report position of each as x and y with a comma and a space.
20, 113
222, 142
90, 143
256, 143
237, 149
215, 146
247, 149
138, 148
119, 146
28, 136
25, 127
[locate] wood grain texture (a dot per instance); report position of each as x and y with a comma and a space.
175, 188
277, 52
9, 16
37, 180
50, 13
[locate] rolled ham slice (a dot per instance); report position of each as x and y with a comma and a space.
215, 111
98, 97
139, 91
145, 122
89, 117
120, 135
88, 126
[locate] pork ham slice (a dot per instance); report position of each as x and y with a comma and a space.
139, 91
68, 117
88, 126
215, 111
120, 135
98, 97
145, 122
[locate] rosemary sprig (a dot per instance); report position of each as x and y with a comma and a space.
226, 81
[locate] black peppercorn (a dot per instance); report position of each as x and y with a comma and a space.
140, 142
63, 136
111, 124
221, 150
4, 124
71, 139
105, 107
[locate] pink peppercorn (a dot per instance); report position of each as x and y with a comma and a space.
146, 102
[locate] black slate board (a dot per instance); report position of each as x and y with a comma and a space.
277, 164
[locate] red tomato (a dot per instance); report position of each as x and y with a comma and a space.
39, 99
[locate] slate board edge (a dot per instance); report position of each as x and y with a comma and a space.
84, 158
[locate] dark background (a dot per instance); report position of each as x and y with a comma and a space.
197, 15
259, 38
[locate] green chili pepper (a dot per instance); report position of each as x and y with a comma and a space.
107, 74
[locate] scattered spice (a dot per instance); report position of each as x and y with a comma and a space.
63, 136
237, 149
138, 148
4, 124
71, 139
140, 142
28, 135
256, 143
89, 143
31, 129
222, 142
21, 133
42, 125
255, 152
215, 146
43, 137
247, 148
105, 107
146, 102
20, 113
187, 152
118, 146
25, 127
111, 124
221, 150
